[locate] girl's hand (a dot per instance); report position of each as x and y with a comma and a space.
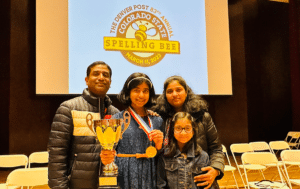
157, 136
208, 178
152, 113
107, 156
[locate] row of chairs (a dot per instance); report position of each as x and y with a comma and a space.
257, 158
26, 175
16, 160
252, 159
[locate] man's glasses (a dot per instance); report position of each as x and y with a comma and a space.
179, 129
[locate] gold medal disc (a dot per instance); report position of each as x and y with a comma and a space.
151, 151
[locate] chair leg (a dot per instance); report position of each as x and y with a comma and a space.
237, 186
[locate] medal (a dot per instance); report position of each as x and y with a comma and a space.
151, 151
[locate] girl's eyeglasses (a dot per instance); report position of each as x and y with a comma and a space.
179, 129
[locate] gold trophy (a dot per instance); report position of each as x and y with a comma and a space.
108, 132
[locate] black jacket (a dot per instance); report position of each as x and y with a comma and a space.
209, 141
73, 150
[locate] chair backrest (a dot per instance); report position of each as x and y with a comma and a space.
224, 149
38, 157
240, 148
28, 177
293, 138
260, 146
290, 155
292, 135
259, 158
279, 145
13, 160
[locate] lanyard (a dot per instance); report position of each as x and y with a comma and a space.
168, 123
147, 129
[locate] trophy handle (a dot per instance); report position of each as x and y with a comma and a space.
126, 116
89, 122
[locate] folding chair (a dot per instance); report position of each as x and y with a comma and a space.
12, 161
27, 177
242, 148
38, 157
291, 157
228, 169
264, 147
261, 158
277, 146
292, 138
280, 146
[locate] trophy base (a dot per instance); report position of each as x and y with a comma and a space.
109, 187
107, 182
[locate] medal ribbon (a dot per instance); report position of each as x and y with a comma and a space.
168, 123
147, 129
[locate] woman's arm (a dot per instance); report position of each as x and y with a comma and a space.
214, 147
161, 174
207, 179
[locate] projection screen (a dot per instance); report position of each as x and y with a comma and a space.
160, 38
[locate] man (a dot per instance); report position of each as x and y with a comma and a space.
73, 149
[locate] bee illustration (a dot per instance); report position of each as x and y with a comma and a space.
142, 31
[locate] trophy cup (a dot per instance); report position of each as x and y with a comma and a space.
108, 132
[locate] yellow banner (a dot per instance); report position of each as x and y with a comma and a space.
129, 44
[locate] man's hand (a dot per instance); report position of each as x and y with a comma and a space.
107, 156
208, 178
157, 136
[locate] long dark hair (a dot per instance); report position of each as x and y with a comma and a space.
193, 103
170, 150
133, 81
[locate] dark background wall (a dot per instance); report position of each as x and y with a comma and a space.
264, 38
